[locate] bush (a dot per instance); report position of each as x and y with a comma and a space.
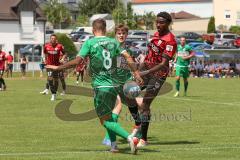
235, 29
68, 44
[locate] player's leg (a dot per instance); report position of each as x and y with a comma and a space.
82, 74
62, 79
185, 75
24, 70
177, 83
104, 101
185, 86
7, 70
11, 69
78, 75
45, 91
115, 114
50, 80
153, 87
1, 80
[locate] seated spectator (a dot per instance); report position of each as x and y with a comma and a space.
199, 69
193, 68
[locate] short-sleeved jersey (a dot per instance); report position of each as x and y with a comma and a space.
53, 53
183, 51
159, 47
9, 59
102, 52
123, 70
2, 60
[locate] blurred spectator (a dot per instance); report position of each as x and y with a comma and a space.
199, 69
193, 68
23, 64
42, 66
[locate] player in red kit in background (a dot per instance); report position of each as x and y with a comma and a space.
9, 64
2, 68
80, 70
53, 51
161, 50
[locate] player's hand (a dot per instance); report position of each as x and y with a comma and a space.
138, 78
52, 67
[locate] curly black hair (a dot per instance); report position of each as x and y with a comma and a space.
165, 15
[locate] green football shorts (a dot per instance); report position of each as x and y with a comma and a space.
104, 100
182, 72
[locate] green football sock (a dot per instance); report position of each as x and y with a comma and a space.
111, 135
185, 86
116, 128
115, 119
178, 85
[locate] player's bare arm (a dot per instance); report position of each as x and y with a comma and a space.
163, 64
70, 64
133, 67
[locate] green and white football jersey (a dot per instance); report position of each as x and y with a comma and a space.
102, 52
181, 52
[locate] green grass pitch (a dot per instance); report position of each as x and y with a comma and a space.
203, 125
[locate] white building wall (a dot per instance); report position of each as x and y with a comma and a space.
197, 25
11, 34
230, 7
200, 9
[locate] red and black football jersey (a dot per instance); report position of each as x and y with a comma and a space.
160, 47
53, 53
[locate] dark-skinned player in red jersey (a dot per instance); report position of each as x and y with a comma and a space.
161, 50
53, 51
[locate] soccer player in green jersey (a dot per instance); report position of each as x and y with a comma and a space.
123, 75
182, 60
102, 52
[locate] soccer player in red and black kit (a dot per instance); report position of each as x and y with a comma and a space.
80, 70
2, 68
161, 50
53, 51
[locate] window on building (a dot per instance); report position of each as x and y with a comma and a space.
227, 14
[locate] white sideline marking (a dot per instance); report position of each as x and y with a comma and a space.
203, 101
80, 152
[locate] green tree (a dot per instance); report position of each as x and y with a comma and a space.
211, 25
149, 19
82, 20
131, 23
119, 14
222, 28
235, 29
56, 13
91, 7
69, 47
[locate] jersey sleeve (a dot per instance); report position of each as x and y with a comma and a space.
85, 50
170, 50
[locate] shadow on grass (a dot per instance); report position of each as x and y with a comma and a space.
155, 141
